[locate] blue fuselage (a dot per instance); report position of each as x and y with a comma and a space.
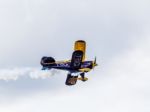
66, 66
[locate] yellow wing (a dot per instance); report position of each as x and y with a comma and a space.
80, 45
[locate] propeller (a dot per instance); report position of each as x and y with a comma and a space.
94, 63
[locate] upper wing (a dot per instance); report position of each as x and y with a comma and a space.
80, 45
76, 60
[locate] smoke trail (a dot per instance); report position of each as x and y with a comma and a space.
34, 73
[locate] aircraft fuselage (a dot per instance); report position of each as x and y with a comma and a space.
66, 66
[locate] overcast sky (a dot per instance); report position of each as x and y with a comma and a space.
117, 32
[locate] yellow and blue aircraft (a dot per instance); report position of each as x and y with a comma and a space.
77, 64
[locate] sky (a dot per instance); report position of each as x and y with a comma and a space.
116, 32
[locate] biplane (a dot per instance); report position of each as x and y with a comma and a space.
76, 67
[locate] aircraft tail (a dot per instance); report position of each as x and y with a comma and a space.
46, 61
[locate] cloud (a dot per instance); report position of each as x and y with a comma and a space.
121, 86
31, 29
117, 32
34, 73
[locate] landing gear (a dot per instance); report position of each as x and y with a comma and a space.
71, 79
83, 78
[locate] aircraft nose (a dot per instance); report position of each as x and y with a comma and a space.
94, 65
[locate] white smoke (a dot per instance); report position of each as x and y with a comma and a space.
34, 73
